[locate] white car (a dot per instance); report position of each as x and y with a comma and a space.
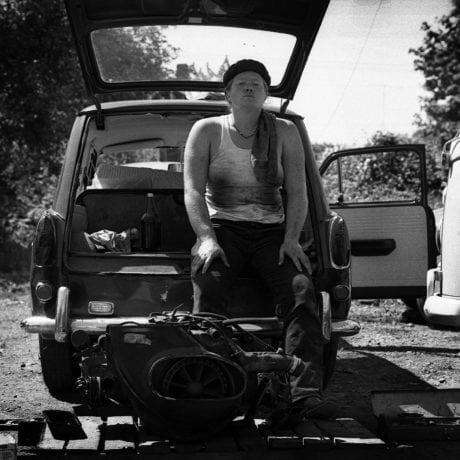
442, 306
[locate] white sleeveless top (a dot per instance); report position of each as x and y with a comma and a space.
233, 192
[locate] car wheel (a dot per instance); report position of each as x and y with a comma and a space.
59, 369
329, 359
416, 304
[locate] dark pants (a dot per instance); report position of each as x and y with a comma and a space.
257, 245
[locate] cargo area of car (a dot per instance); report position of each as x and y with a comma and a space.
121, 210
133, 155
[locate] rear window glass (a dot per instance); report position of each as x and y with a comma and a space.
185, 52
144, 164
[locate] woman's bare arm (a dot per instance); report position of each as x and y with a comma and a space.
196, 164
293, 160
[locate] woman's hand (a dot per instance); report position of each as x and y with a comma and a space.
295, 252
203, 254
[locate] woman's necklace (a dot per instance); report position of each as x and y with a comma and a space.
245, 136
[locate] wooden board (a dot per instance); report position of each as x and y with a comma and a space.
283, 438
348, 432
126, 436
119, 435
188, 447
221, 442
312, 436
149, 443
48, 444
93, 428
248, 437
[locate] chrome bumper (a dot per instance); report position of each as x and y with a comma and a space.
95, 326
62, 326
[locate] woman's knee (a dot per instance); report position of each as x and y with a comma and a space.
302, 284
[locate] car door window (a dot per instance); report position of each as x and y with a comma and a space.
374, 177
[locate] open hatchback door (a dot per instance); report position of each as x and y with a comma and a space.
277, 32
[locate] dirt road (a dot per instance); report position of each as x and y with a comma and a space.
386, 355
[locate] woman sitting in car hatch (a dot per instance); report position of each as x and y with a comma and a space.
234, 167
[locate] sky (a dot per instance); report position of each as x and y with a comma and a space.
360, 77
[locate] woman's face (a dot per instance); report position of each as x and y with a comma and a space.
247, 89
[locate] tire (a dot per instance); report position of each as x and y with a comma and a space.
59, 369
416, 303
329, 359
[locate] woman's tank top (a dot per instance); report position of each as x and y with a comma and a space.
233, 192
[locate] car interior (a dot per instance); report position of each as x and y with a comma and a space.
134, 155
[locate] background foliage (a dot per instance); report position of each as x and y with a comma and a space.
41, 92
41, 89
438, 58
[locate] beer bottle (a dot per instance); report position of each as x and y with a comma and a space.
150, 226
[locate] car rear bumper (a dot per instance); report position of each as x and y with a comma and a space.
96, 326
63, 325
442, 310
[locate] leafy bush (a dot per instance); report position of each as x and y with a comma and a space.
41, 91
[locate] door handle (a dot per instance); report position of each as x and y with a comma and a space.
369, 248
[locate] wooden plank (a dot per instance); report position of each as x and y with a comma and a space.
221, 442
348, 432
248, 436
93, 428
50, 445
119, 435
148, 443
188, 447
280, 438
312, 436
64, 424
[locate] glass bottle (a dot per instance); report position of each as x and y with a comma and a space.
150, 226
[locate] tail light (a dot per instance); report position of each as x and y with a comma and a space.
339, 276
339, 243
44, 291
44, 241
43, 274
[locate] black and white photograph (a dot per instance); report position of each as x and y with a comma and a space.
230, 229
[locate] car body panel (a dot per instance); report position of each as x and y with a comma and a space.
392, 240
397, 274
442, 306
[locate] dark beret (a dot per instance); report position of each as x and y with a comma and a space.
246, 65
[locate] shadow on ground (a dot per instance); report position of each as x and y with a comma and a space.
359, 372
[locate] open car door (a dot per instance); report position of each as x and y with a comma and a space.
381, 192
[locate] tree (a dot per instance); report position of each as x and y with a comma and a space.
438, 58
132, 54
41, 91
